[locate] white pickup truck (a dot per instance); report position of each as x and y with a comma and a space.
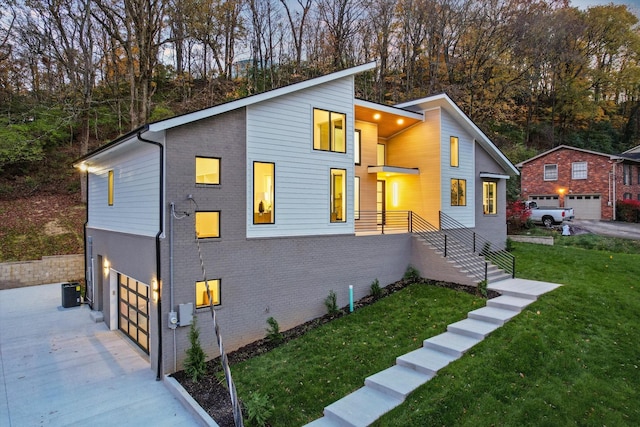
548, 216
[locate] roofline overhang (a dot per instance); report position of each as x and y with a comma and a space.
389, 109
393, 170
494, 175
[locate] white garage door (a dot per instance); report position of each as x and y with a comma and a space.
546, 200
585, 206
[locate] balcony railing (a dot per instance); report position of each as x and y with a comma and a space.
372, 222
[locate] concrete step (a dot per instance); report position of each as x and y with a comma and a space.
499, 316
508, 302
425, 360
454, 344
323, 422
473, 328
397, 381
360, 408
523, 288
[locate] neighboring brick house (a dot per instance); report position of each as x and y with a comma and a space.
285, 195
587, 181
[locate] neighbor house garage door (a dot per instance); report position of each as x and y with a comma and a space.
133, 310
585, 206
546, 200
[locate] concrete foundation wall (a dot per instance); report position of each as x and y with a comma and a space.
49, 269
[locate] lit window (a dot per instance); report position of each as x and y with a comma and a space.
458, 192
357, 147
489, 191
263, 193
207, 170
454, 151
329, 131
202, 297
110, 189
338, 199
356, 197
207, 224
579, 170
550, 172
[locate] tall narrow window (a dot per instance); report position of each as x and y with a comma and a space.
489, 191
207, 170
458, 192
110, 189
357, 147
626, 175
356, 197
207, 224
263, 193
338, 195
381, 155
454, 151
329, 131
202, 296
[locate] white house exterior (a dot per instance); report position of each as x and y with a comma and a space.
285, 196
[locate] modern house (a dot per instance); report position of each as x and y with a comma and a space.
284, 196
590, 182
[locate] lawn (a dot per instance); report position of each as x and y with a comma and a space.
571, 358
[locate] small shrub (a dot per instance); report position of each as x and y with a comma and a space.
411, 273
195, 364
518, 217
376, 290
509, 245
482, 288
628, 210
259, 409
273, 331
331, 302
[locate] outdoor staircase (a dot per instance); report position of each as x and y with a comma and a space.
387, 389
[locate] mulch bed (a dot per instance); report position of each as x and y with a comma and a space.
211, 393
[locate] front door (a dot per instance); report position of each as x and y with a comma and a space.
381, 202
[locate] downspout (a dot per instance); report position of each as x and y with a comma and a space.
84, 233
158, 259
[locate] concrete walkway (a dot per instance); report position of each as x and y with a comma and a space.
57, 368
387, 389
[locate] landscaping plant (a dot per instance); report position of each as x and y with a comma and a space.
195, 364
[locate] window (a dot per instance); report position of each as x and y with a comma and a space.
202, 297
110, 189
627, 196
489, 191
338, 196
329, 131
381, 155
357, 147
356, 197
454, 151
208, 170
207, 224
579, 170
458, 192
263, 193
550, 172
626, 175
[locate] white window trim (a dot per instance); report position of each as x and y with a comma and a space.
573, 170
544, 172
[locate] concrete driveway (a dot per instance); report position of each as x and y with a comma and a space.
625, 230
57, 368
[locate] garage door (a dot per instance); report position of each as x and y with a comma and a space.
585, 206
133, 310
546, 200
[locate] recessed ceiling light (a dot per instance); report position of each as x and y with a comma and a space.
400, 121
376, 116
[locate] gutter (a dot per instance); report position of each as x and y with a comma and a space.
158, 258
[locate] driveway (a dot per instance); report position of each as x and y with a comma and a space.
58, 368
625, 230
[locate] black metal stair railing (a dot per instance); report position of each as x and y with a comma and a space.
478, 244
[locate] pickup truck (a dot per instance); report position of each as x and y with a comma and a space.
548, 216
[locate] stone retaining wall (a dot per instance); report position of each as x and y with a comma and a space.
50, 269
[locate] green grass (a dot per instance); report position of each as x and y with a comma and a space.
571, 358
307, 374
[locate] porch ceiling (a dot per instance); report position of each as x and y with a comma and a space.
386, 170
389, 120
